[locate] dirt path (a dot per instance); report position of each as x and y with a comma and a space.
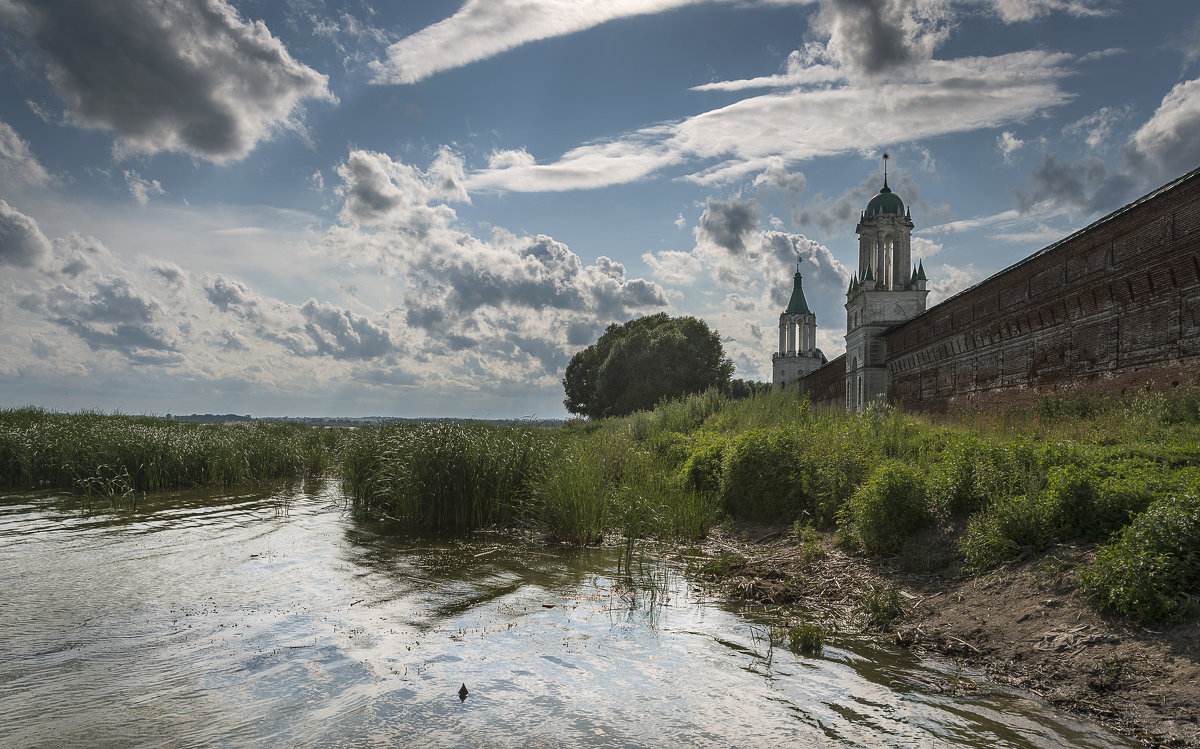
1024, 625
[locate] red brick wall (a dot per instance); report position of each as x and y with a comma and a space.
826, 387
1113, 307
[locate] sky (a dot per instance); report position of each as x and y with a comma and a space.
334, 208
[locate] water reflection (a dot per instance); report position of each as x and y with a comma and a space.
281, 619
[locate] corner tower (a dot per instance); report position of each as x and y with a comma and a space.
885, 291
798, 353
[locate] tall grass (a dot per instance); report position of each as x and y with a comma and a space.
446, 476
114, 454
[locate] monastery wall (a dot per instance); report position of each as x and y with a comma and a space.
826, 387
1115, 306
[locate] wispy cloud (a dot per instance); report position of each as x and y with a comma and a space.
755, 133
484, 28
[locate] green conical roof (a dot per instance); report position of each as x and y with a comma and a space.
921, 271
797, 305
868, 276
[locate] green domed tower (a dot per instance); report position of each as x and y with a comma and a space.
884, 240
885, 291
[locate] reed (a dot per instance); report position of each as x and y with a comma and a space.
446, 476
88, 451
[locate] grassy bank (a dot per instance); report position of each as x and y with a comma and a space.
973, 492
964, 494
113, 456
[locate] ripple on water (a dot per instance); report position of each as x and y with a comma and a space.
281, 619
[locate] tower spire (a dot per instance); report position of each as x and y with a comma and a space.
885, 161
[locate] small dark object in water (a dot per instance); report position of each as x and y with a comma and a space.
462, 693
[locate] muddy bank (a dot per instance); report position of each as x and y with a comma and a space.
1022, 625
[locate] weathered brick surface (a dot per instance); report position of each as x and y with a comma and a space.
1112, 308
826, 387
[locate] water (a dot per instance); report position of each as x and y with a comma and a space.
281, 620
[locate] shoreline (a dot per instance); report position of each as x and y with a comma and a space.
1021, 625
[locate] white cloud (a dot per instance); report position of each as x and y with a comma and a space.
142, 189
190, 77
1096, 128
1168, 144
948, 280
1015, 11
484, 28
1008, 144
18, 165
22, 242
772, 130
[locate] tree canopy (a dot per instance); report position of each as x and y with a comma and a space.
635, 365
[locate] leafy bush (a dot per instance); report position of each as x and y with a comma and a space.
760, 478
1152, 571
887, 508
1009, 525
703, 467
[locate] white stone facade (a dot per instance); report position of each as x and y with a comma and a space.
886, 290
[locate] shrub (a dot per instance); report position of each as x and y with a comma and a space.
891, 505
1151, 572
760, 478
1010, 524
703, 467
1071, 494
954, 480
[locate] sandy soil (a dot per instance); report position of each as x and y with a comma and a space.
1023, 625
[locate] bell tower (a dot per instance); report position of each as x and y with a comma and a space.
798, 353
885, 291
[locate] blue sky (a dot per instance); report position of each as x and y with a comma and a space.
422, 209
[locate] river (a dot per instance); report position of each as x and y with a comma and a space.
281, 619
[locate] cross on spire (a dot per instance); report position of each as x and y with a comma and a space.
885, 161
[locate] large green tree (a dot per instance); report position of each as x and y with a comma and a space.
635, 365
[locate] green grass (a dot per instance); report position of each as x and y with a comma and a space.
109, 455
985, 488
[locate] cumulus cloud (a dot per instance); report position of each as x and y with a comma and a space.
312, 329
18, 165
1169, 142
22, 242
379, 190
727, 223
193, 77
873, 37
486, 310
948, 280
112, 314
753, 268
